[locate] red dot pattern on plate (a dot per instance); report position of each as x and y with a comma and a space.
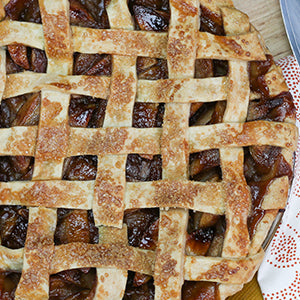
288, 293
291, 72
284, 249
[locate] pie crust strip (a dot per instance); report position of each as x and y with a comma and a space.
21, 140
181, 55
233, 135
111, 281
132, 43
114, 140
226, 270
18, 140
50, 152
52, 143
11, 259
2, 72
108, 206
155, 91
182, 90
135, 140
30, 82
222, 270
238, 196
54, 193
244, 47
80, 255
38, 254
199, 196
162, 193
111, 284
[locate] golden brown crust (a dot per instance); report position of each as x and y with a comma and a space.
18, 140
2, 70
114, 140
53, 136
122, 92
35, 276
174, 141
216, 4
182, 90
137, 43
163, 90
244, 47
15, 32
238, 197
131, 43
53, 133
11, 259
30, 82
206, 197
169, 262
241, 135
276, 194
238, 203
38, 252
108, 206
110, 184
55, 193
275, 81
80, 255
57, 34
2, 11
223, 270
109, 195
181, 56
111, 284
238, 92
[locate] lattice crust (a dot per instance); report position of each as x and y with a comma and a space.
109, 195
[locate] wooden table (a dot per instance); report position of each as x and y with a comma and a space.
265, 15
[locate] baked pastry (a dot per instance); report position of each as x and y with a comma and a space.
146, 148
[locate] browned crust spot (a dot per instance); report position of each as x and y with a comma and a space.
44, 195
167, 265
22, 145
36, 275
56, 31
109, 197
53, 143
175, 193
184, 7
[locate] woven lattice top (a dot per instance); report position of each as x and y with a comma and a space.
109, 195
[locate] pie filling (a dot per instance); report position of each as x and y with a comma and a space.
205, 234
